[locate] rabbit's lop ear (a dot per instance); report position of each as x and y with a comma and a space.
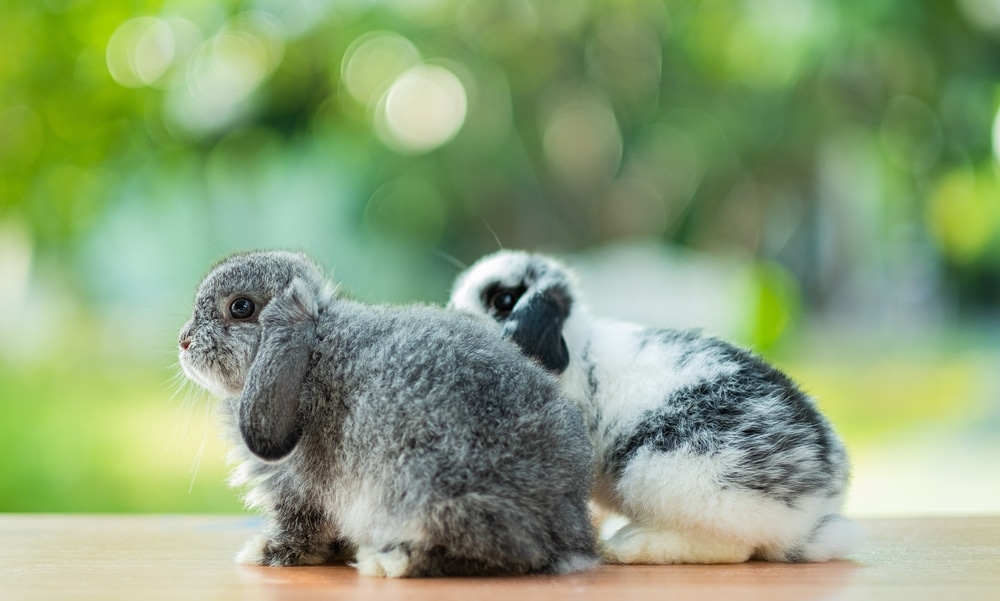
269, 407
536, 324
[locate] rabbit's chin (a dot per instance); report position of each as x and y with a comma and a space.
214, 386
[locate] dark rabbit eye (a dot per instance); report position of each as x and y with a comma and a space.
503, 301
241, 308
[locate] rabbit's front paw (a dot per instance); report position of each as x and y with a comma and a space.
390, 562
262, 551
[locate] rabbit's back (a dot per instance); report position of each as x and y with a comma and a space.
439, 420
760, 426
444, 379
712, 399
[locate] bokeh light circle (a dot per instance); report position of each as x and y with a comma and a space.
582, 141
423, 108
373, 61
140, 51
225, 71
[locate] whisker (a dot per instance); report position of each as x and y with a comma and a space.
179, 384
492, 231
201, 451
451, 259
183, 425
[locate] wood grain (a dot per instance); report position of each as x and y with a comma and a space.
189, 558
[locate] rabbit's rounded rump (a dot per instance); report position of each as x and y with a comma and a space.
406, 435
713, 455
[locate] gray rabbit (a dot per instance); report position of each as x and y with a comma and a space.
712, 454
403, 435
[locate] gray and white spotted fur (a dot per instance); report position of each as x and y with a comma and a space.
712, 454
405, 437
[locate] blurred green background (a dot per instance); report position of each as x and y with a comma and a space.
820, 181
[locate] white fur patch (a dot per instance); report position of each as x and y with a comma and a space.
575, 563
835, 539
387, 564
637, 544
683, 494
362, 516
626, 376
252, 553
507, 269
205, 380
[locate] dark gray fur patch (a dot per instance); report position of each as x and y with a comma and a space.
592, 383
593, 416
435, 562
297, 531
785, 452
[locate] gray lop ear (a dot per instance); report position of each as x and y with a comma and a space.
536, 325
269, 417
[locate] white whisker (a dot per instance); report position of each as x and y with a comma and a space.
201, 450
451, 259
495, 237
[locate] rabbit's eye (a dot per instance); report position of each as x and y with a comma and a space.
503, 302
241, 308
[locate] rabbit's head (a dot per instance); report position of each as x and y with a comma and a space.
529, 295
250, 337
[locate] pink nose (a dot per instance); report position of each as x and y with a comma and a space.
185, 343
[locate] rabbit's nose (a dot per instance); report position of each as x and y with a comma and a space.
185, 338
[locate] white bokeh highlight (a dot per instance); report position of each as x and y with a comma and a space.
423, 108
140, 51
373, 61
224, 72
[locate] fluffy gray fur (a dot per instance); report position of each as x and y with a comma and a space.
711, 453
403, 436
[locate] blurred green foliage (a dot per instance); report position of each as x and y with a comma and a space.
87, 438
845, 154
586, 122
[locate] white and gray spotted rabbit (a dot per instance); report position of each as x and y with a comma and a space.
712, 454
405, 435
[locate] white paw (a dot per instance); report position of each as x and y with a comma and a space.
252, 553
575, 563
386, 564
636, 544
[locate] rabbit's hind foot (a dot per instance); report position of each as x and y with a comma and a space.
638, 544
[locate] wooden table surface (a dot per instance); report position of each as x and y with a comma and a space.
189, 558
